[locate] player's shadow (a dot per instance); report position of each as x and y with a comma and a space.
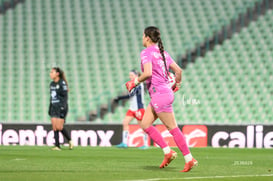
156, 168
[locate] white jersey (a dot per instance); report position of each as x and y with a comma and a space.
136, 98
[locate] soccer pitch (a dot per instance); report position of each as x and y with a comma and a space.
110, 163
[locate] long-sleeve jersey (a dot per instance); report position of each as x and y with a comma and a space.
136, 98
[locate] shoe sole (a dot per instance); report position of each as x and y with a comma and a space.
122, 146
195, 164
174, 155
70, 145
56, 149
143, 148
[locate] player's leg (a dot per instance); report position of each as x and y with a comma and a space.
169, 121
53, 123
139, 116
125, 131
59, 124
145, 139
56, 133
146, 124
125, 128
60, 127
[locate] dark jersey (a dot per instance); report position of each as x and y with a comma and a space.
58, 93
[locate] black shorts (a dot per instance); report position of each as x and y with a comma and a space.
56, 111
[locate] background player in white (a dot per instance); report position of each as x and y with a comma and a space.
136, 110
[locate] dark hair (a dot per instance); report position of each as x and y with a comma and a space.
134, 71
154, 34
61, 74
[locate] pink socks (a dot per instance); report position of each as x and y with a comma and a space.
180, 140
177, 135
156, 136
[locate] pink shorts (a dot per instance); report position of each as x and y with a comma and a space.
162, 102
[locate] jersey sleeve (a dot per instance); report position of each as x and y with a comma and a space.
64, 89
145, 57
123, 97
50, 92
64, 86
135, 91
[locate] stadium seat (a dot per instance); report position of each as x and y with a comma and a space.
97, 49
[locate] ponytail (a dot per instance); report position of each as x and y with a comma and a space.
161, 49
62, 76
154, 34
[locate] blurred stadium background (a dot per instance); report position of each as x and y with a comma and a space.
224, 46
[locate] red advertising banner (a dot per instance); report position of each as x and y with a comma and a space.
196, 135
230, 136
166, 135
136, 136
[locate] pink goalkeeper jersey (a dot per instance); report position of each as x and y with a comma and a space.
158, 82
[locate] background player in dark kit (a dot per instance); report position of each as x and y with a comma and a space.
58, 106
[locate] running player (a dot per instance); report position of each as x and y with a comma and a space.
136, 110
58, 106
155, 64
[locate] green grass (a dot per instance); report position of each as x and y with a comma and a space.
97, 163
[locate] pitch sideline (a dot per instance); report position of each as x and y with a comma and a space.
205, 177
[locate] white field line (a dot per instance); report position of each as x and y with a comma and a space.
205, 177
18, 159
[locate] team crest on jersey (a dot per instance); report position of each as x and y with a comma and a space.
57, 86
53, 94
138, 115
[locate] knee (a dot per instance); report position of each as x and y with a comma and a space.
171, 126
59, 127
125, 123
54, 128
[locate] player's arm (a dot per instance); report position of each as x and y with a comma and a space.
178, 75
63, 93
127, 96
49, 107
146, 61
177, 71
121, 98
147, 73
